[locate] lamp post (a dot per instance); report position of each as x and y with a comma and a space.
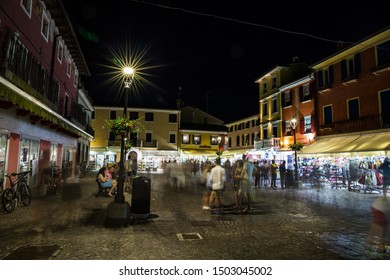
297, 183
119, 209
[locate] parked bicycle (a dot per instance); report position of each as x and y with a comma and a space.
52, 179
19, 191
82, 169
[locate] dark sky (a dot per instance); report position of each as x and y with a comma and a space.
212, 50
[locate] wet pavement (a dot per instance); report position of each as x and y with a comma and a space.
299, 224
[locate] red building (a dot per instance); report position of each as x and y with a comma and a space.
353, 98
44, 110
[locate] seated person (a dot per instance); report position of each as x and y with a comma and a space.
105, 179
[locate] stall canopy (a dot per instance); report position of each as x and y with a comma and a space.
349, 144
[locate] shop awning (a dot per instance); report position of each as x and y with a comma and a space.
349, 144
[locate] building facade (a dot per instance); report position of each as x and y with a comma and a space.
44, 110
242, 135
353, 98
273, 101
201, 134
158, 142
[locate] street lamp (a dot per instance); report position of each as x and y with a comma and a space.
297, 183
119, 209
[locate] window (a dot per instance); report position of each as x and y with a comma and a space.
60, 51
149, 117
253, 123
27, 6
264, 87
196, 139
231, 129
275, 131
305, 93
185, 139
265, 109
325, 77
328, 115
133, 115
243, 140
252, 139
230, 142
265, 133
307, 124
238, 141
247, 140
92, 115
350, 67
172, 118
286, 98
45, 26
172, 137
383, 53
112, 115
274, 82
112, 136
247, 124
214, 140
353, 109
76, 78
274, 105
288, 128
69, 67
148, 137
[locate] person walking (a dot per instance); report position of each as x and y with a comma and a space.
218, 178
282, 172
274, 169
237, 180
246, 183
208, 186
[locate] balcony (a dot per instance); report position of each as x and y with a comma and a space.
274, 142
144, 144
366, 123
25, 71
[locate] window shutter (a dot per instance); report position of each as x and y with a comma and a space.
320, 80
331, 75
357, 64
343, 70
312, 128
301, 93
302, 125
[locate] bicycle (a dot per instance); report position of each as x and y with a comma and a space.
52, 179
18, 191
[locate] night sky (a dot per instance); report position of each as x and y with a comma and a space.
212, 50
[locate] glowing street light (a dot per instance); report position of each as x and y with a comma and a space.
120, 209
296, 175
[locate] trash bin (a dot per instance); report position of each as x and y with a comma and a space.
140, 196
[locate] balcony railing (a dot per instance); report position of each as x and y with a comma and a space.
274, 142
143, 143
21, 62
370, 122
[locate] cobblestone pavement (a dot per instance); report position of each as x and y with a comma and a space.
301, 224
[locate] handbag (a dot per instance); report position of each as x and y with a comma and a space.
379, 179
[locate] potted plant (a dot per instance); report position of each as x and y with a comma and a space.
123, 125
296, 147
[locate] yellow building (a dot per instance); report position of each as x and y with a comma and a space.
272, 104
243, 134
201, 134
158, 142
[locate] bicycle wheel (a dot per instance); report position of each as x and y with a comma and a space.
25, 193
8, 200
